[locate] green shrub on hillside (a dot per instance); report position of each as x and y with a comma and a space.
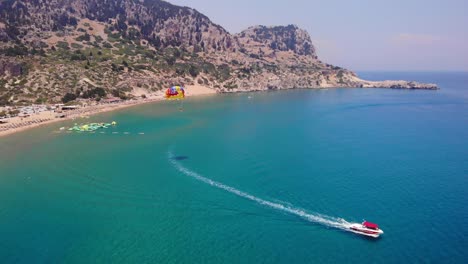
68, 98
113, 36
230, 86
209, 68
4, 100
94, 93
107, 45
63, 45
85, 37
224, 72
78, 56
98, 39
194, 71
76, 46
170, 60
14, 51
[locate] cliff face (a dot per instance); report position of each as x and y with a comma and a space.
159, 22
47, 49
270, 40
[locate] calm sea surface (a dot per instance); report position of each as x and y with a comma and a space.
232, 179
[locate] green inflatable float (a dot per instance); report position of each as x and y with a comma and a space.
90, 127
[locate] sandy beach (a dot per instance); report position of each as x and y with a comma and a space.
18, 124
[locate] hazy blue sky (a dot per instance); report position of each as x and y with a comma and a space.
361, 34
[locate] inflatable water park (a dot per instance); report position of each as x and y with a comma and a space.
91, 127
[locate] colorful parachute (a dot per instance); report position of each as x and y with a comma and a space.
175, 92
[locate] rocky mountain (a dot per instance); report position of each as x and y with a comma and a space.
61, 50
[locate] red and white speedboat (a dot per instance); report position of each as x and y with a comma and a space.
366, 229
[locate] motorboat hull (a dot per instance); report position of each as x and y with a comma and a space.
360, 229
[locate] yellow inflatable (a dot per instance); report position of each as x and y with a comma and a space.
175, 93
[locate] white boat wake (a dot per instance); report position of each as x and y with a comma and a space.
328, 221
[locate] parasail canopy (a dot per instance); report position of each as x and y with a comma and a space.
175, 92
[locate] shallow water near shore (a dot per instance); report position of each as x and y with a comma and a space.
232, 179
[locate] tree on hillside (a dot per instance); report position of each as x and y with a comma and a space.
68, 98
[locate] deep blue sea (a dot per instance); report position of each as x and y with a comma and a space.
268, 177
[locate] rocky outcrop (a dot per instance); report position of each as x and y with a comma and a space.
398, 85
317, 80
268, 40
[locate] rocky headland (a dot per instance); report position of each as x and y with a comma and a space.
71, 51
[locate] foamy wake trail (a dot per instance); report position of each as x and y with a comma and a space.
311, 217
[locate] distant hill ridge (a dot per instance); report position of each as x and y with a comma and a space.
47, 48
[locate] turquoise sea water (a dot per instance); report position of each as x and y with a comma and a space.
270, 179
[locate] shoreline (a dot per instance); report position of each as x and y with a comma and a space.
48, 117
19, 124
